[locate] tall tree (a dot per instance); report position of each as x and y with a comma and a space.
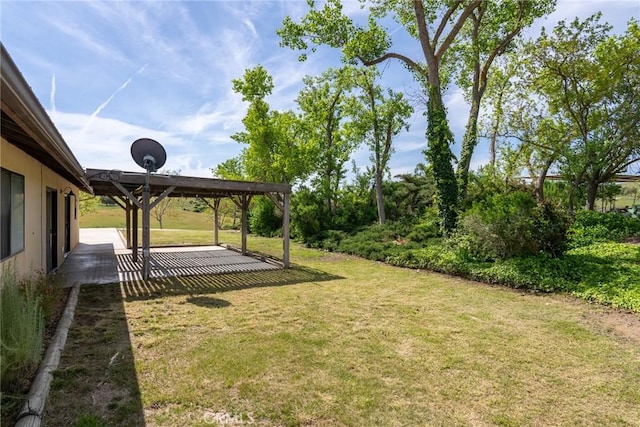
324, 103
232, 169
589, 81
276, 149
463, 34
489, 33
376, 119
435, 25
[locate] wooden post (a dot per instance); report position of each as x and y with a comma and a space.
285, 231
134, 226
245, 227
127, 212
216, 207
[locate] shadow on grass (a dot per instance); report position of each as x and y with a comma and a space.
206, 284
208, 302
96, 382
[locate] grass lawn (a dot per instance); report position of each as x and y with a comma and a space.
339, 340
175, 218
623, 200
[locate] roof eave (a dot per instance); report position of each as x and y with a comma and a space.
26, 106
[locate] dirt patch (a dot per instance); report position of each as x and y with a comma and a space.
625, 325
633, 240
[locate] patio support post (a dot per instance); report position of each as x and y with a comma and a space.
244, 206
134, 226
216, 209
146, 219
285, 231
127, 212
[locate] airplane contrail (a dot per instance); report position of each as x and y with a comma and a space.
52, 94
105, 103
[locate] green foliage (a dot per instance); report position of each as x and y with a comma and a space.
325, 104
591, 227
232, 169
22, 329
276, 147
588, 79
412, 194
197, 205
609, 274
89, 420
488, 35
489, 180
603, 272
427, 227
263, 220
376, 242
376, 119
511, 225
88, 203
440, 139
355, 207
309, 215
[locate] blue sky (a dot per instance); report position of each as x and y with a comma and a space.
110, 72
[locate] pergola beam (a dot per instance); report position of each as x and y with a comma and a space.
127, 186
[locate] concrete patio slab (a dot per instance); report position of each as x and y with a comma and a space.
101, 257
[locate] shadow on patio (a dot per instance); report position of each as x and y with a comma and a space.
214, 283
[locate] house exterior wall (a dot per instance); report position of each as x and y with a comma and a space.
37, 179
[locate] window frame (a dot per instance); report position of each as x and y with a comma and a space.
13, 240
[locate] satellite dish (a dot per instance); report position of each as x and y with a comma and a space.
148, 154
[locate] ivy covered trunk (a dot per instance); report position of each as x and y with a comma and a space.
439, 139
469, 143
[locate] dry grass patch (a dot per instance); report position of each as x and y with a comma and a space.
369, 344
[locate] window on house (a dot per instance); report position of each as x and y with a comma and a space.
11, 213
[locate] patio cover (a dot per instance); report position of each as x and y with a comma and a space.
126, 189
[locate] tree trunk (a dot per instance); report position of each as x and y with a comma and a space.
592, 191
539, 189
439, 139
380, 197
469, 143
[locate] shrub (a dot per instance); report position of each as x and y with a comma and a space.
550, 229
511, 225
309, 215
427, 227
499, 226
22, 329
591, 227
264, 220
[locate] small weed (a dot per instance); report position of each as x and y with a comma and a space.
89, 420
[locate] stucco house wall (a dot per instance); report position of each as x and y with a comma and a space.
41, 181
37, 180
